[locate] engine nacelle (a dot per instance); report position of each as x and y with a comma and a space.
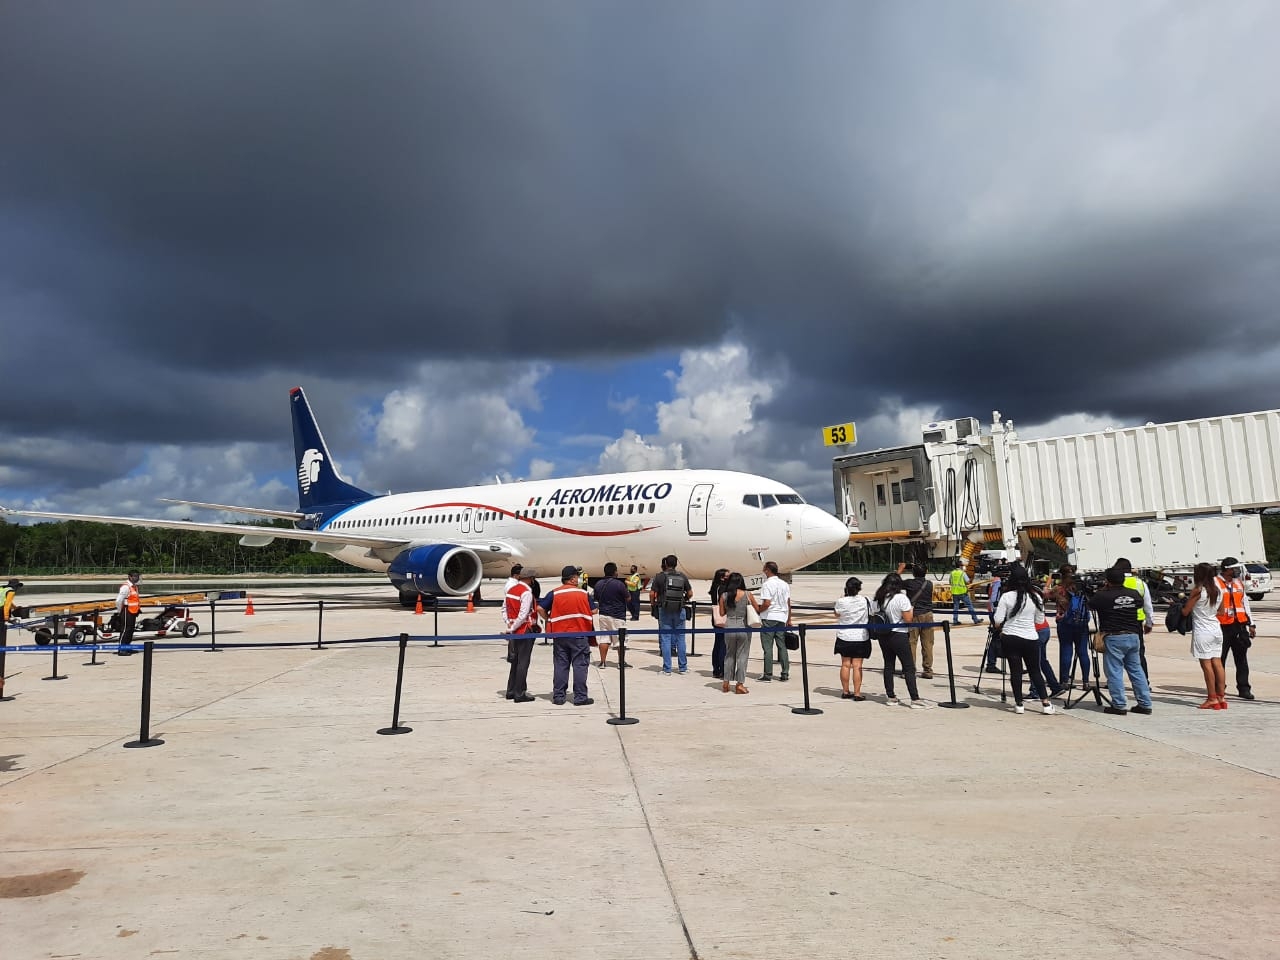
441, 569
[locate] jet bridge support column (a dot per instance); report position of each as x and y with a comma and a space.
1000, 461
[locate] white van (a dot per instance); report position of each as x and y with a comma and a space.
1257, 580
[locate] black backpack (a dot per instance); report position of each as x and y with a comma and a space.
674, 590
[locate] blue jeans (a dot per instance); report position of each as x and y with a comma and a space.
671, 631
1121, 658
1073, 638
1046, 670
955, 607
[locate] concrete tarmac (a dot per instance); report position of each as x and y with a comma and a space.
274, 822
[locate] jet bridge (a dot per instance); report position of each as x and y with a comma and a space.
961, 490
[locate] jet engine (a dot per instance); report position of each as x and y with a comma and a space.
440, 569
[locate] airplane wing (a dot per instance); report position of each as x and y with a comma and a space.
259, 535
255, 511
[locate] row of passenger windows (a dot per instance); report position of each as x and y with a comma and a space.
484, 516
765, 500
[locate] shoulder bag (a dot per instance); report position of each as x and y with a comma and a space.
753, 618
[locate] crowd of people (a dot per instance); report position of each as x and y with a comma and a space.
899, 619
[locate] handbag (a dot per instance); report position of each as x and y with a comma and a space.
1099, 642
792, 640
753, 618
717, 618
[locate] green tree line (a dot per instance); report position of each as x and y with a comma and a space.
71, 547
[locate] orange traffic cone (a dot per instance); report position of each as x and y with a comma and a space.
417, 610
248, 607
471, 603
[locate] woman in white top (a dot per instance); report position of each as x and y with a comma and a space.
852, 644
1016, 614
891, 600
1206, 635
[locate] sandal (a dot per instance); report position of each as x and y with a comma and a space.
739, 689
1208, 705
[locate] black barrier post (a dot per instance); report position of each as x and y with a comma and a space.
395, 713
3, 698
622, 719
806, 710
93, 659
144, 731
213, 628
435, 620
953, 703
693, 631
53, 672
320, 626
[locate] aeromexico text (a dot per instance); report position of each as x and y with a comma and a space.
609, 492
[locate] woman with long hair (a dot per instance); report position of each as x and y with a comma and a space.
1071, 609
852, 644
734, 600
1020, 606
718, 583
1206, 635
891, 600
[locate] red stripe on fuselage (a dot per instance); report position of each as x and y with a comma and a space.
535, 522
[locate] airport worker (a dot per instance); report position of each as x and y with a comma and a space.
506, 589
569, 620
669, 591
1206, 634
519, 620
775, 618
634, 583
1236, 619
1118, 607
6, 611
1020, 607
960, 591
612, 598
127, 606
1146, 615
920, 592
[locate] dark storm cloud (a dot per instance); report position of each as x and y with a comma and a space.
907, 200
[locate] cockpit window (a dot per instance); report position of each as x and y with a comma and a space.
790, 498
768, 500
751, 500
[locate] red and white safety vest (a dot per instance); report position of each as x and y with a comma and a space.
570, 611
515, 602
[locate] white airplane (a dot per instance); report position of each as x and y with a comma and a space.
443, 542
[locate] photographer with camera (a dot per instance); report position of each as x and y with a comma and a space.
1070, 597
1016, 614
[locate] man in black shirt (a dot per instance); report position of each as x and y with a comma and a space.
1117, 607
612, 596
919, 591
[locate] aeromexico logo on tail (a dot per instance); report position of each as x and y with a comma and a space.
309, 469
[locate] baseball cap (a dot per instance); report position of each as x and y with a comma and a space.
568, 573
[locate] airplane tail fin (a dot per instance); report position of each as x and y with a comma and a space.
318, 482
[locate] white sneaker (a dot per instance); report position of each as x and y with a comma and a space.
892, 701
919, 705
1019, 708
1047, 708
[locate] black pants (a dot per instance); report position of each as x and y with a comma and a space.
1235, 640
717, 655
633, 605
570, 653
896, 647
128, 620
1019, 652
518, 675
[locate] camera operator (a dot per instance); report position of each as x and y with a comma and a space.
1016, 615
1071, 609
1118, 607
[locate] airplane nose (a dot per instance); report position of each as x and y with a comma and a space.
821, 533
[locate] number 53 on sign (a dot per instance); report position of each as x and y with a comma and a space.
842, 434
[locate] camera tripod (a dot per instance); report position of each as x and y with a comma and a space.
992, 635
1100, 696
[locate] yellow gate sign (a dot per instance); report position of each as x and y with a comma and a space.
842, 434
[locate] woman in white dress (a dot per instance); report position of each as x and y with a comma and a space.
1206, 635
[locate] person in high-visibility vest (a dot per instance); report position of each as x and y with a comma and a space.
127, 606
1236, 619
635, 583
960, 590
7, 611
519, 621
570, 619
1146, 616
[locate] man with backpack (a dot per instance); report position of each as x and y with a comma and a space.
669, 591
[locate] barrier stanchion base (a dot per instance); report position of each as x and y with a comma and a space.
153, 742
393, 731
622, 721
806, 711
953, 704
61, 676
